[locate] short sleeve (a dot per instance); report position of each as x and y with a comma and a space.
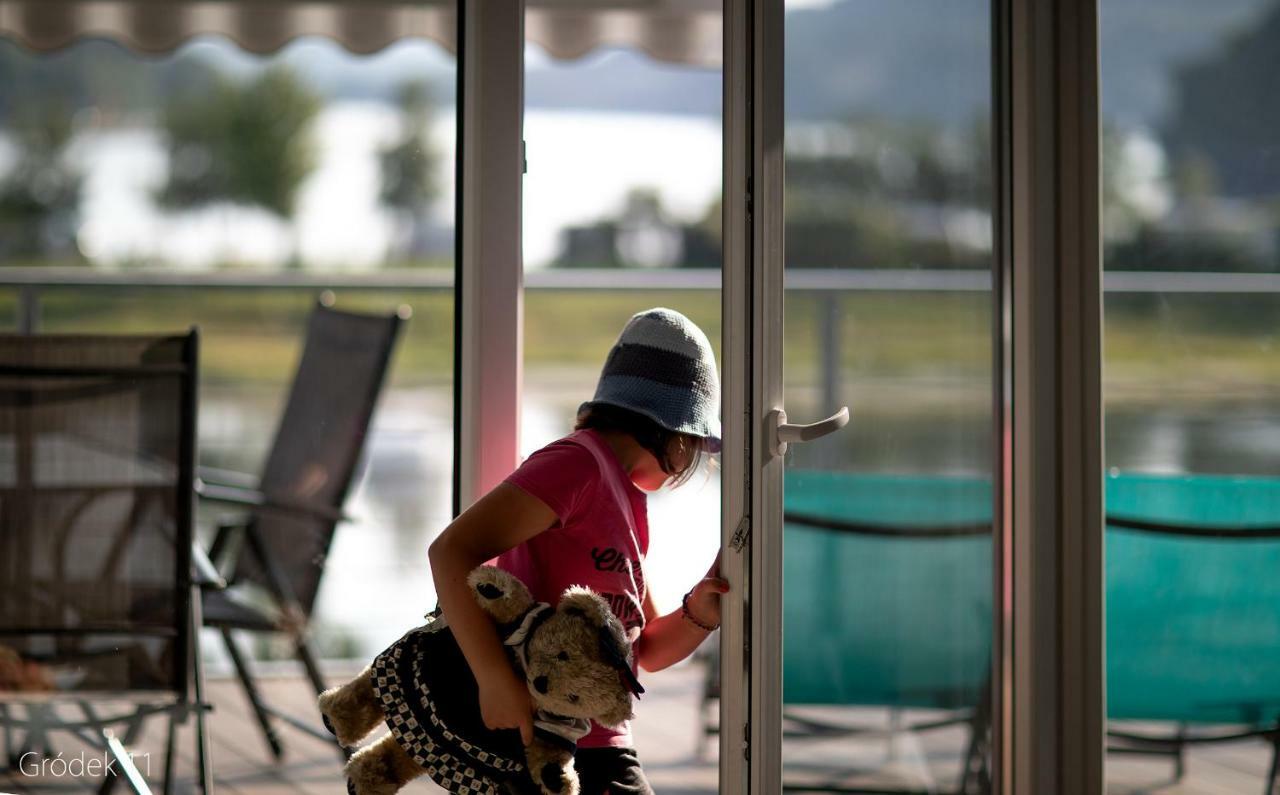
558, 475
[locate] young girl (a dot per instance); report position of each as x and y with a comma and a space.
574, 514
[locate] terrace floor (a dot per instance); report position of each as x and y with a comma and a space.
666, 732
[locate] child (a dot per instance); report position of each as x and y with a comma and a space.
574, 514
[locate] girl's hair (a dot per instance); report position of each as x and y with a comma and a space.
648, 434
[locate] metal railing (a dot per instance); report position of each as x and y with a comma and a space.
31, 283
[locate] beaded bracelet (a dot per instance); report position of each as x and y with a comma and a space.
690, 617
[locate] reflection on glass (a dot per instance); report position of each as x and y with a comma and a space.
624, 173
887, 571
1190, 186
312, 160
624, 162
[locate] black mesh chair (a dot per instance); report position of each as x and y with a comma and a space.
273, 556
97, 615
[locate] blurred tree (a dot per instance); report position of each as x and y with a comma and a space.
642, 234
40, 193
241, 143
875, 193
410, 170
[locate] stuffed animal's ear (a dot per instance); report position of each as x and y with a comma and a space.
588, 604
614, 648
500, 593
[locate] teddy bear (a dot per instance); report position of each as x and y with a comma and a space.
574, 657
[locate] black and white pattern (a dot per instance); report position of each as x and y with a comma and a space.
439, 728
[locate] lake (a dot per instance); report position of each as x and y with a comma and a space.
377, 581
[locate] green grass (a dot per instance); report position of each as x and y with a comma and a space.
251, 336
1154, 345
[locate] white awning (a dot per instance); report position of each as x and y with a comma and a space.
678, 31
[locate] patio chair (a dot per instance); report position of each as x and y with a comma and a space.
273, 555
97, 614
902, 566
1193, 613
905, 565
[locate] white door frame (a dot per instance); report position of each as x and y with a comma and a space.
751, 481
489, 284
736, 401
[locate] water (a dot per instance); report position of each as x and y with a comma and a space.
377, 581
581, 166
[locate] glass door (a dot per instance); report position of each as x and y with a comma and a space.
887, 531
870, 395
912, 232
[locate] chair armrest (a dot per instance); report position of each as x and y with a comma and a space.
203, 572
252, 498
294, 617
221, 539
226, 477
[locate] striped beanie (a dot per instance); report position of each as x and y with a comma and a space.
662, 367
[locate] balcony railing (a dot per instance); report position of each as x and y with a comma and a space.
31, 282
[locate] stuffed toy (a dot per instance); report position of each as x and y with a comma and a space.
22, 676
574, 657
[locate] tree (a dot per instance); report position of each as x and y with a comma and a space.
410, 167
241, 143
40, 196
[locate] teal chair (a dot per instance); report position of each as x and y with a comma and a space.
887, 602
1193, 610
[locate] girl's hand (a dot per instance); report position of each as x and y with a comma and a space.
703, 603
505, 703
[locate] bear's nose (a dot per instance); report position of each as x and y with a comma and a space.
540, 684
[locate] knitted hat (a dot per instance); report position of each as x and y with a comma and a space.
662, 367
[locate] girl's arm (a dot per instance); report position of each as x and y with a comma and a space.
666, 640
498, 521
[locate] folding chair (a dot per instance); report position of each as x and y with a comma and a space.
274, 555
97, 614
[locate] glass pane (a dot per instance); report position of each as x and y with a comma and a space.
624, 183
887, 591
1191, 184
248, 174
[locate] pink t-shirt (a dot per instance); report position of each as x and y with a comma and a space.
599, 540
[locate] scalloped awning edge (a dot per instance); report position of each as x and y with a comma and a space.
664, 32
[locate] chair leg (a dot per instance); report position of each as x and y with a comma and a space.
976, 776
308, 660
1180, 754
204, 762
704, 728
6, 740
1273, 785
251, 692
306, 655
170, 737
37, 736
124, 761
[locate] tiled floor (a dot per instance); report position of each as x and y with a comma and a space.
666, 731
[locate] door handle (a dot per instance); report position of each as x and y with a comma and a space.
785, 434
